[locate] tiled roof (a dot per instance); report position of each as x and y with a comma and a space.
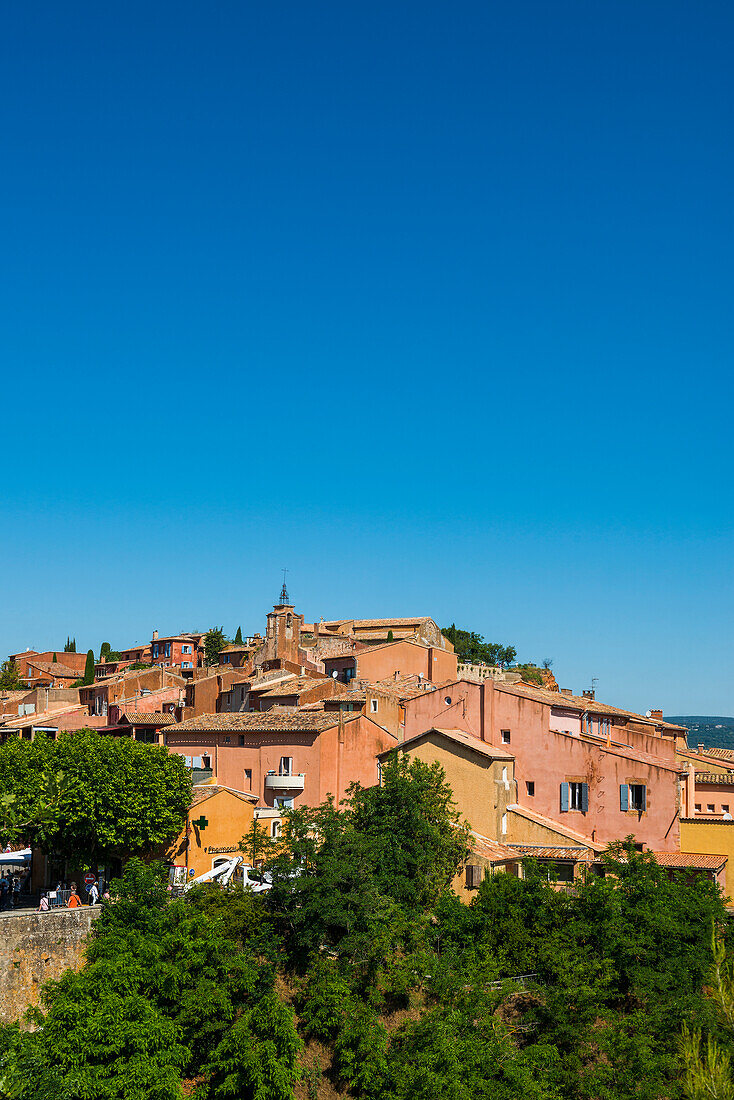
56, 668
365, 624
578, 702
723, 754
491, 850
540, 851
143, 718
702, 861
294, 686
239, 648
276, 719
724, 778
202, 791
459, 737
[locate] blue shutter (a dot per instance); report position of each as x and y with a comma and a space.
624, 797
585, 797
644, 798
564, 798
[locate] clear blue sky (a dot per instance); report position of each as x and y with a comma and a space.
431, 303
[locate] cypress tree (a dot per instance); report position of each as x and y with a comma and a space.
390, 636
104, 651
238, 636
89, 668
55, 658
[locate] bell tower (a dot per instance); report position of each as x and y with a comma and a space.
284, 629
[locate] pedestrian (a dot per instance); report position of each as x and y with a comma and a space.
93, 894
74, 900
43, 904
4, 888
16, 892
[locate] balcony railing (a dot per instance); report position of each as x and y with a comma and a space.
275, 782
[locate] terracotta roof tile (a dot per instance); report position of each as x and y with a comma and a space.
276, 719
56, 668
491, 850
143, 718
578, 702
540, 851
366, 623
202, 791
684, 860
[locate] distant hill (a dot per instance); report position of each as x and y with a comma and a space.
705, 729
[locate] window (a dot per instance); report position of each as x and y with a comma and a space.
241, 739
225, 658
227, 740
574, 796
504, 824
632, 796
284, 803
186, 649
530, 788
248, 778
698, 807
725, 807
155, 650
711, 808
557, 871
504, 775
286, 765
447, 700
505, 737
374, 706
168, 649
276, 829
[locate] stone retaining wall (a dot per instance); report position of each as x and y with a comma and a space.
36, 947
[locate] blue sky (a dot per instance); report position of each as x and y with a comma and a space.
430, 303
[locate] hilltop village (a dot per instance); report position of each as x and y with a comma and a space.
285, 719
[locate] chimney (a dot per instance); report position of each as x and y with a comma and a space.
656, 714
589, 694
155, 635
316, 630
566, 691
700, 748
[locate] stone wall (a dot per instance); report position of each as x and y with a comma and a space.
36, 947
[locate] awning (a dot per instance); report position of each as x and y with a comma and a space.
16, 858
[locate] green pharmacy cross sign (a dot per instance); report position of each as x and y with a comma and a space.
201, 823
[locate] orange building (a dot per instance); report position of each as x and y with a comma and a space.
215, 824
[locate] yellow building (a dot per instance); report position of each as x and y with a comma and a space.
216, 822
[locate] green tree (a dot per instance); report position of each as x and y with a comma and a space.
104, 651
89, 668
390, 636
238, 636
214, 643
471, 648
70, 646
257, 845
709, 1062
87, 795
9, 678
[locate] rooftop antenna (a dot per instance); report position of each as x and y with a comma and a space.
594, 682
284, 598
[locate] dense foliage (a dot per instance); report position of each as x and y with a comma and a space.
363, 975
472, 649
214, 642
89, 795
9, 678
89, 668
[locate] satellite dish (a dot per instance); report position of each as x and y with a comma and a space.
648, 714
335, 674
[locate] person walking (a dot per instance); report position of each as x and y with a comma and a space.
93, 894
4, 889
16, 892
74, 900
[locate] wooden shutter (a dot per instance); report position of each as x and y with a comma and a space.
624, 797
473, 876
564, 798
644, 798
585, 797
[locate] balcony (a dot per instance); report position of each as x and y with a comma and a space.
275, 782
